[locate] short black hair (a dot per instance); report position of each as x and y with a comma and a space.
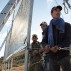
43, 23
34, 35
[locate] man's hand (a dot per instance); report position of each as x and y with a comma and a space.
46, 49
54, 49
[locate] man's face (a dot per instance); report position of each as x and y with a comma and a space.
34, 39
56, 13
43, 27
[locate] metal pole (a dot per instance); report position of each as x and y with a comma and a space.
28, 36
8, 65
5, 66
7, 11
11, 65
2, 67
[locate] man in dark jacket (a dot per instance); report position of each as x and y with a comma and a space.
59, 40
44, 43
44, 28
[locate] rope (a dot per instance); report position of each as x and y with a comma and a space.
65, 7
38, 62
68, 3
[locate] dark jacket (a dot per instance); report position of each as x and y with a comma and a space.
45, 37
62, 40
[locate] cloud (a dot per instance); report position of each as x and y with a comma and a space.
49, 1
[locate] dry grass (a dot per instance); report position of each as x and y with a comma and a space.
20, 68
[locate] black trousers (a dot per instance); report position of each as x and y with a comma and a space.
57, 65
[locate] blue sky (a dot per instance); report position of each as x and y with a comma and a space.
41, 12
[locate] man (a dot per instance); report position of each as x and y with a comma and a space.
35, 57
44, 28
44, 43
59, 40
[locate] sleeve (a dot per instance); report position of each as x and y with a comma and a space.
45, 38
67, 39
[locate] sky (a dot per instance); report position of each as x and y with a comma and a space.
41, 12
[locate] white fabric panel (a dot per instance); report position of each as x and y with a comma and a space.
16, 39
